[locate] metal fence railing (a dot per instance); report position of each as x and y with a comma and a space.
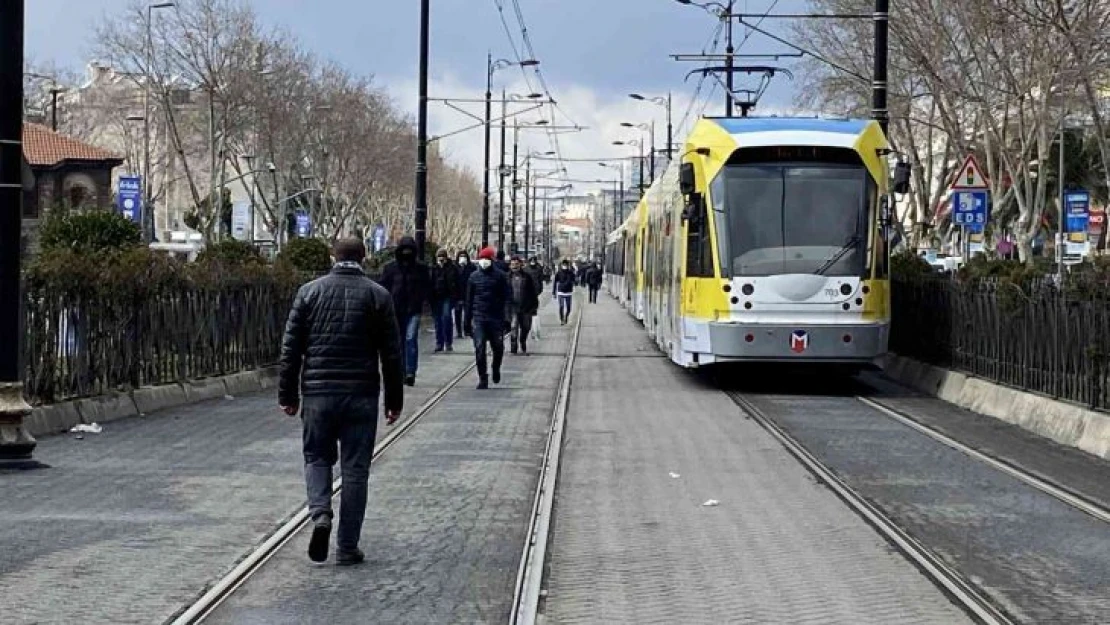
85, 345
1036, 339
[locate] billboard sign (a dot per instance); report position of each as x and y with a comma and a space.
129, 198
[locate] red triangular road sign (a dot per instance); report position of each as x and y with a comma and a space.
970, 175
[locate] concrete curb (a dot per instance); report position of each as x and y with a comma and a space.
1065, 423
58, 418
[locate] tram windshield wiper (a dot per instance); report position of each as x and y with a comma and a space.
850, 245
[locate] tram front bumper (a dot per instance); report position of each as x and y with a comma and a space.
827, 343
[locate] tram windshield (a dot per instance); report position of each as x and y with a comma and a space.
776, 218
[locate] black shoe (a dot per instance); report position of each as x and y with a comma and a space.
482, 384
439, 348
497, 376
410, 380
344, 557
450, 348
321, 534
512, 350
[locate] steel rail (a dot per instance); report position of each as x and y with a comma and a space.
1060, 492
945, 577
529, 581
256, 558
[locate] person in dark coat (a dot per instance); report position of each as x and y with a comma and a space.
500, 262
445, 292
523, 305
536, 270
465, 268
487, 299
564, 290
408, 281
341, 326
594, 277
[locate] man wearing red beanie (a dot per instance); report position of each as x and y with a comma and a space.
487, 300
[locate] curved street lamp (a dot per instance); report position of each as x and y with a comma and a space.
665, 103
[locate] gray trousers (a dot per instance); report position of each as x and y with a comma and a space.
339, 427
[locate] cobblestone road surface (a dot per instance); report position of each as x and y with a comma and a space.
129, 525
634, 544
448, 510
1041, 560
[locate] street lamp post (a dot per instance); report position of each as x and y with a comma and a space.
640, 146
421, 192
16, 443
148, 203
651, 130
491, 67
666, 103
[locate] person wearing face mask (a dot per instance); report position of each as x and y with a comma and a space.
465, 268
408, 281
525, 303
539, 277
445, 278
564, 290
488, 296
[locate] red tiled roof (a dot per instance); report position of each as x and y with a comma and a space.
44, 148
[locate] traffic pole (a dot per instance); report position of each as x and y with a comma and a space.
501, 187
421, 192
879, 110
485, 187
16, 443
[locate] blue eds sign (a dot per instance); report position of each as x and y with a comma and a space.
969, 210
129, 198
1077, 210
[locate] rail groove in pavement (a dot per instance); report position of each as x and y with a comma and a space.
945, 577
255, 559
526, 598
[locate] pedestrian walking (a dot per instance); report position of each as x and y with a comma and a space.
523, 305
594, 277
341, 326
500, 262
487, 300
539, 277
465, 268
445, 292
564, 290
407, 280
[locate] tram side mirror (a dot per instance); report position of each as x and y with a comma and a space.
686, 182
902, 173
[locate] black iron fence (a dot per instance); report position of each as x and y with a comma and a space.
84, 345
1036, 338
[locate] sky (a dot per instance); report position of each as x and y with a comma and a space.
592, 54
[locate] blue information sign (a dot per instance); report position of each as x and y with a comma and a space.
1077, 205
969, 210
304, 225
129, 198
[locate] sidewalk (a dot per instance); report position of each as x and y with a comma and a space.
646, 446
450, 503
128, 525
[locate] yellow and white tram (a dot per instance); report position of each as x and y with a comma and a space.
763, 242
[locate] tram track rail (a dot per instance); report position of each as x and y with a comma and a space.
944, 576
254, 560
528, 592
1053, 489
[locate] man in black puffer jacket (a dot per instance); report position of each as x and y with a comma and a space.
340, 327
408, 281
487, 301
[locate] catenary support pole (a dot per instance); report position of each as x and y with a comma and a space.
729, 53
421, 192
501, 187
16, 444
879, 110
485, 161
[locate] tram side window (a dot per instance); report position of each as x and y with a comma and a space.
699, 250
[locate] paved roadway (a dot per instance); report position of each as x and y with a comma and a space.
634, 544
129, 525
450, 503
